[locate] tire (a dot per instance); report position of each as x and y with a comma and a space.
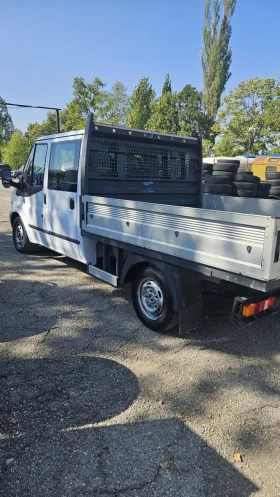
274, 182
206, 166
274, 197
272, 176
263, 186
230, 176
229, 161
216, 180
152, 281
275, 190
241, 185
243, 176
217, 189
20, 238
245, 193
262, 194
230, 168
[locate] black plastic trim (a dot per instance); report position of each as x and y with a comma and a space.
72, 240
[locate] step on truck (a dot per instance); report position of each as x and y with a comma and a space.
128, 204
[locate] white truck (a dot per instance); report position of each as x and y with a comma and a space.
128, 204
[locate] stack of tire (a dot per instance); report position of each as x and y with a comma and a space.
220, 183
274, 180
263, 190
207, 169
245, 184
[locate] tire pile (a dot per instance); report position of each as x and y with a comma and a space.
228, 180
207, 169
273, 179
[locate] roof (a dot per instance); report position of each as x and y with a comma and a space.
61, 135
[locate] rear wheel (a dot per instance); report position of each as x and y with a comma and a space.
152, 300
20, 237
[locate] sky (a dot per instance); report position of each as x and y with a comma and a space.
44, 45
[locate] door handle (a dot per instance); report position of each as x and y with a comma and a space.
45, 198
72, 204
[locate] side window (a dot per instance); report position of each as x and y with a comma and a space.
33, 174
64, 163
271, 169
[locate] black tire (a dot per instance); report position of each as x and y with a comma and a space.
20, 238
230, 168
244, 176
241, 185
217, 189
274, 197
206, 173
206, 166
156, 284
262, 194
228, 175
245, 193
263, 186
275, 190
274, 182
216, 180
272, 176
228, 161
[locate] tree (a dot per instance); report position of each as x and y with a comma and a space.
164, 111
215, 57
16, 151
189, 104
114, 106
48, 126
6, 125
87, 97
250, 118
140, 105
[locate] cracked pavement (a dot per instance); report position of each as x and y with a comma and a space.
94, 404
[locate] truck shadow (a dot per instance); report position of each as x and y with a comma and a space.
54, 415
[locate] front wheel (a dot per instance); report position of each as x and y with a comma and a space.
20, 237
152, 300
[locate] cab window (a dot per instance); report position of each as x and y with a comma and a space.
33, 173
64, 163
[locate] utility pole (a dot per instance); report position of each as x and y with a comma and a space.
39, 107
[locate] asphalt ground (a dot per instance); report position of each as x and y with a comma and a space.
94, 404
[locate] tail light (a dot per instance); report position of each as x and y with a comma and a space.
254, 308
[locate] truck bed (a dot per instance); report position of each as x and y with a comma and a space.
247, 245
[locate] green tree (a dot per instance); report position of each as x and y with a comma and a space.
250, 118
16, 151
191, 118
87, 97
164, 111
6, 125
216, 57
140, 105
114, 105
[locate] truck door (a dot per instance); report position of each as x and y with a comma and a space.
62, 197
29, 200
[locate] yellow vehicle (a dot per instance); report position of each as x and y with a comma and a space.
265, 164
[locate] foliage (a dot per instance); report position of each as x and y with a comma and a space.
87, 97
17, 150
164, 117
215, 57
140, 105
250, 118
207, 148
6, 125
113, 107
189, 105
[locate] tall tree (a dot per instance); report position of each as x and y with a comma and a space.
140, 105
87, 97
216, 56
16, 151
164, 111
250, 118
114, 106
6, 125
191, 118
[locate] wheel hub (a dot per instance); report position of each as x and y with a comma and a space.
150, 298
19, 235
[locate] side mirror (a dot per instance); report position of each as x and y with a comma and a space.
6, 177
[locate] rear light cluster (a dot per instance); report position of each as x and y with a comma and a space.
249, 310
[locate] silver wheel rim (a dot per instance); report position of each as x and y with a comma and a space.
19, 236
150, 298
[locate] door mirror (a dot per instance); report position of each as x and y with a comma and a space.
6, 177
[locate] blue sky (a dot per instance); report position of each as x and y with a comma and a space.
46, 44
